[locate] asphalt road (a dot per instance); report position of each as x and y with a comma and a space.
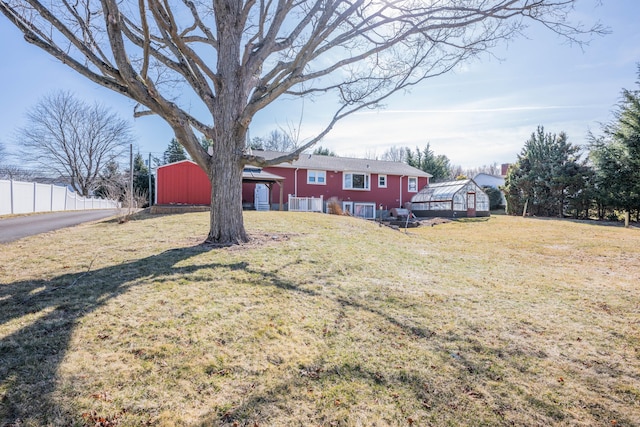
22, 226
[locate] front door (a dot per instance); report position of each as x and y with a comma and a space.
261, 197
471, 205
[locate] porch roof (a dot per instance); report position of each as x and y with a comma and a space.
256, 175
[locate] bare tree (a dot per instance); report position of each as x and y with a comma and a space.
370, 154
3, 154
73, 139
395, 154
16, 173
492, 169
239, 56
277, 140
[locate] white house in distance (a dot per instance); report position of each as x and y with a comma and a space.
486, 180
495, 181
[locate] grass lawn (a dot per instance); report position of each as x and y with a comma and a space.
322, 321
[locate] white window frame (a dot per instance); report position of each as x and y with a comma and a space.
367, 181
352, 207
412, 188
385, 181
315, 174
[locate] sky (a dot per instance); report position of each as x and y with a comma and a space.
479, 114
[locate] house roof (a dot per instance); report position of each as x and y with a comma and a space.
482, 174
345, 164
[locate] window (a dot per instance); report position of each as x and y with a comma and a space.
317, 177
361, 210
355, 181
412, 184
382, 181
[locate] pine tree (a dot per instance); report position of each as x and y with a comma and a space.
616, 157
141, 177
174, 152
548, 175
439, 166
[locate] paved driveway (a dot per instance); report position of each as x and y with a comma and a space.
22, 226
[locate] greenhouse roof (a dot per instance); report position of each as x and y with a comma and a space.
441, 190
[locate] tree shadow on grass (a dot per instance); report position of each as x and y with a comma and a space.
461, 393
41, 315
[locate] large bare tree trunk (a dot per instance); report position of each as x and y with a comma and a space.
226, 164
226, 221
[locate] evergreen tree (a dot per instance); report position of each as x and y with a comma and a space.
426, 160
141, 177
495, 197
547, 177
174, 152
206, 143
112, 182
616, 157
321, 151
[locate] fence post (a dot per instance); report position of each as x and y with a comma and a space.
11, 194
35, 196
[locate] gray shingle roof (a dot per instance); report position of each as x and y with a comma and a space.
345, 164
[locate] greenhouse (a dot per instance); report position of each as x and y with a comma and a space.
463, 198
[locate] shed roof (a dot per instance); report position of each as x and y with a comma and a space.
345, 164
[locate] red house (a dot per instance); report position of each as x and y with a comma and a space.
361, 185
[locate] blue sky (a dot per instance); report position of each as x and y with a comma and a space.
480, 114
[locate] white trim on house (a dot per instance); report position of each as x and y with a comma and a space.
347, 183
364, 210
412, 184
316, 177
382, 181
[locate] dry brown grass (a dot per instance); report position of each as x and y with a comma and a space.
323, 320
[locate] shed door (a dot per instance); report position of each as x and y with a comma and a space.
471, 205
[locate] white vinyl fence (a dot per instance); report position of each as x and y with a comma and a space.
305, 204
18, 197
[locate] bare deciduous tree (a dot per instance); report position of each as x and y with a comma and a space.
395, 154
73, 139
16, 173
492, 169
3, 155
239, 56
277, 140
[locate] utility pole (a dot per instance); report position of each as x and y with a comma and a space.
130, 178
150, 188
